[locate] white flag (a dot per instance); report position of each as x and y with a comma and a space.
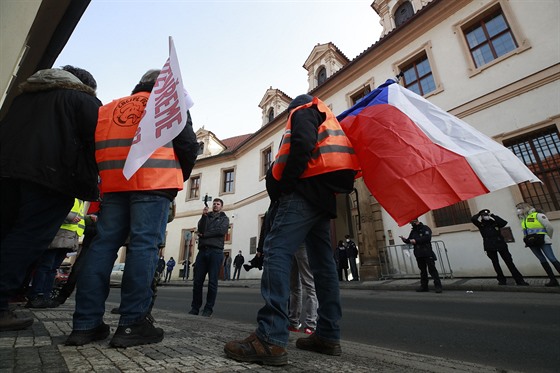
165, 115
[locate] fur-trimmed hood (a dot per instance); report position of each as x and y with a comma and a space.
50, 79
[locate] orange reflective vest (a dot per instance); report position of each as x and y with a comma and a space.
333, 151
114, 134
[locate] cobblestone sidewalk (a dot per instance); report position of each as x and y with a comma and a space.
191, 344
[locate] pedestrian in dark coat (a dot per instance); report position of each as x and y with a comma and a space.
341, 258
421, 237
494, 243
47, 154
352, 253
238, 263
170, 266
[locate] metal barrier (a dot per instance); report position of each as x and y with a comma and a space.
398, 261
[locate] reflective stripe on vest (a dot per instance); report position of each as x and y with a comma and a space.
114, 134
333, 150
532, 225
79, 227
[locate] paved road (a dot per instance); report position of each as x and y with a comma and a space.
509, 330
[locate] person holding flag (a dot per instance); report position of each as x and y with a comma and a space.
314, 163
135, 204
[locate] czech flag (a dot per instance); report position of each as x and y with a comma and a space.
415, 157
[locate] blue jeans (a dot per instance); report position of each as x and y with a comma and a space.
31, 216
298, 221
208, 261
544, 252
140, 215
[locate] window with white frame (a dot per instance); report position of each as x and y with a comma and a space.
228, 180
193, 191
266, 160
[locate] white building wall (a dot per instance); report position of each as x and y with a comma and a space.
449, 62
536, 24
16, 18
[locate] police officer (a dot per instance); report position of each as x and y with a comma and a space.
489, 226
421, 237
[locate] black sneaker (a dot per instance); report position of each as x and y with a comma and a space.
60, 299
193, 312
142, 333
207, 313
82, 337
36, 302
422, 289
10, 321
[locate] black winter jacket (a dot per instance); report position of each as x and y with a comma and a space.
48, 135
214, 228
422, 234
490, 231
318, 190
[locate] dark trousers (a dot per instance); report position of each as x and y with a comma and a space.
208, 261
353, 268
168, 275
340, 273
45, 273
425, 265
508, 260
31, 215
236, 273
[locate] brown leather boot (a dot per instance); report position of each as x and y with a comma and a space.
317, 344
254, 350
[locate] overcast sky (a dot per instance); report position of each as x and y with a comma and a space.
230, 51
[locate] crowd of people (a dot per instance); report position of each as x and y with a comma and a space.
52, 161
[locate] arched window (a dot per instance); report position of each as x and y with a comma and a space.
270, 114
321, 76
403, 13
200, 148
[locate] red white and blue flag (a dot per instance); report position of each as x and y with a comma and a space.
415, 157
165, 115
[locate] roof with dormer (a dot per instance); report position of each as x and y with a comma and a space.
273, 92
321, 49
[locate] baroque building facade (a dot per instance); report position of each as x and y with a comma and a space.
493, 63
